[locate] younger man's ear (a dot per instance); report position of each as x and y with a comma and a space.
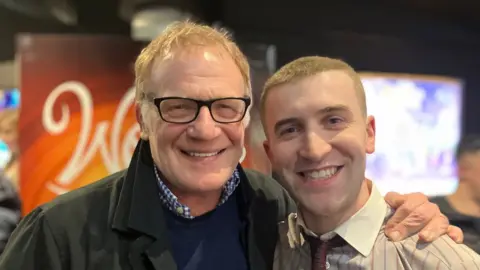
371, 131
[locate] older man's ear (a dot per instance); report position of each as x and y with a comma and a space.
143, 128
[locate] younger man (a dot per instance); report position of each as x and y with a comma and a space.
318, 134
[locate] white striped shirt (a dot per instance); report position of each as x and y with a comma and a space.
368, 247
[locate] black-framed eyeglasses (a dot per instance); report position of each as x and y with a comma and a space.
180, 110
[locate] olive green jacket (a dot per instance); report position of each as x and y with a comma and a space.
118, 223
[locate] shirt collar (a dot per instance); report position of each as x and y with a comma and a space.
360, 231
170, 201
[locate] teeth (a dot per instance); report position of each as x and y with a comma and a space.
321, 174
195, 154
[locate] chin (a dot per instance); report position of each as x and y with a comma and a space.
206, 181
322, 205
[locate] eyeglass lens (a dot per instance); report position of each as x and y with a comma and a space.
184, 110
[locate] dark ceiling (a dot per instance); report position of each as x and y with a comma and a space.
460, 8
280, 16
463, 12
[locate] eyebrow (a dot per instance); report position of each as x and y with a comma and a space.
326, 110
335, 108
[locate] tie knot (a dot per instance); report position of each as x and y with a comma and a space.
319, 249
316, 243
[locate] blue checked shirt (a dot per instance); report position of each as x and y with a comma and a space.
172, 203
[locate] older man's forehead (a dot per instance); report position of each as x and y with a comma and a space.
197, 74
213, 57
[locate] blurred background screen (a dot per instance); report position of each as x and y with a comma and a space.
418, 120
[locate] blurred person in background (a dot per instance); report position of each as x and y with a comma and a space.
10, 205
9, 135
463, 206
184, 202
10, 210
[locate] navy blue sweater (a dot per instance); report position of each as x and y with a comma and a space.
209, 242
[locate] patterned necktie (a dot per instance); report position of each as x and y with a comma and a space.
319, 249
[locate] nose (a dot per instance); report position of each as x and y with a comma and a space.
204, 127
315, 147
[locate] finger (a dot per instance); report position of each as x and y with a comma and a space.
394, 199
411, 203
455, 233
437, 227
409, 222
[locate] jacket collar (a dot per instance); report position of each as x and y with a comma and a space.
139, 207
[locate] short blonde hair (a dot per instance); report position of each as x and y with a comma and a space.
184, 35
308, 66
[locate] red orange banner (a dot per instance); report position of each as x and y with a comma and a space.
77, 124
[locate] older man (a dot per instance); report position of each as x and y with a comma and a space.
318, 135
184, 202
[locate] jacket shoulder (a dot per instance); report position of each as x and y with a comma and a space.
266, 185
33, 240
271, 190
91, 202
10, 208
